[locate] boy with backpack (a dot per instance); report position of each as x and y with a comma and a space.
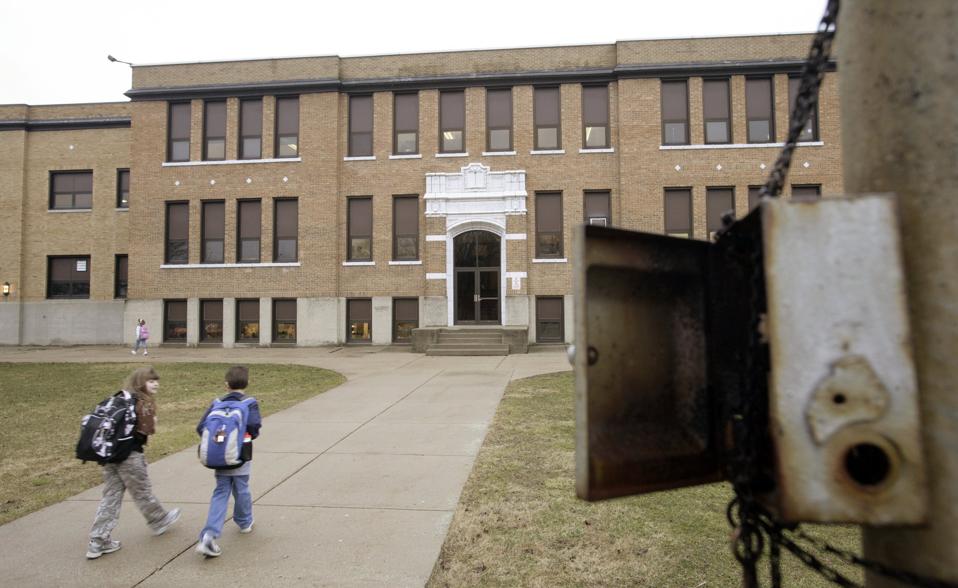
226, 433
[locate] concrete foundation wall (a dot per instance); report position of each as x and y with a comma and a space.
73, 322
10, 323
318, 321
382, 320
434, 312
517, 311
149, 310
568, 319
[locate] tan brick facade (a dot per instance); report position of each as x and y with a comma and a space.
635, 170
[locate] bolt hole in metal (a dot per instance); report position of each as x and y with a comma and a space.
868, 465
839, 399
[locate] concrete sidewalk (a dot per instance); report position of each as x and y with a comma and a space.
354, 487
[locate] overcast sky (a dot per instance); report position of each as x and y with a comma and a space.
54, 51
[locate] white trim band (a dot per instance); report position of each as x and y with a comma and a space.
562, 260
361, 158
548, 152
497, 153
436, 238
357, 263
738, 146
436, 276
410, 156
602, 150
516, 236
231, 162
225, 265
419, 262
452, 155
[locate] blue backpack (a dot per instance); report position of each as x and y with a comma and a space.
222, 441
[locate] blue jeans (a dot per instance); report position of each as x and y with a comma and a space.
139, 343
242, 504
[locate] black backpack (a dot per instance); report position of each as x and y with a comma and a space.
106, 434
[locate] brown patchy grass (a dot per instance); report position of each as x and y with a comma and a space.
41, 406
519, 522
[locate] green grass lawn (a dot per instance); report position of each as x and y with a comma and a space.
519, 522
41, 406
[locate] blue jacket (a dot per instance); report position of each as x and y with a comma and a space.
253, 421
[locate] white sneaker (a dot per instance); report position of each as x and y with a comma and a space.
248, 529
146, 353
170, 518
95, 550
208, 547
133, 351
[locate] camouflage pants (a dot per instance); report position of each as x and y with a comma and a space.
129, 475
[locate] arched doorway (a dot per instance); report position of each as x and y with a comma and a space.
476, 268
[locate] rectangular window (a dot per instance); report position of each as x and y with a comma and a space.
499, 120
213, 229
178, 125
247, 320
675, 113
549, 319
177, 232
287, 127
211, 321
360, 126
71, 190
122, 188
406, 228
806, 192
251, 129
678, 212
546, 113
120, 273
360, 226
718, 201
759, 111
595, 117
68, 277
405, 319
715, 108
248, 223
214, 131
452, 121
359, 320
754, 193
284, 321
406, 124
174, 320
597, 210
285, 230
810, 130
549, 225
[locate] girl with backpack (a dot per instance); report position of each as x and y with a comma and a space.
142, 334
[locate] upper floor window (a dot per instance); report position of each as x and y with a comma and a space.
285, 229
287, 127
213, 228
248, 223
810, 130
759, 111
178, 142
68, 277
406, 228
214, 131
549, 224
715, 108
806, 192
177, 248
71, 190
678, 212
122, 188
360, 126
251, 129
595, 117
675, 113
120, 276
718, 201
360, 229
546, 114
452, 121
499, 120
597, 210
406, 124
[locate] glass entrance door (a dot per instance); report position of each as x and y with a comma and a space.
477, 278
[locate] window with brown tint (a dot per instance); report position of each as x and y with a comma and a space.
287, 127
68, 277
122, 188
406, 124
715, 108
359, 320
718, 201
211, 320
754, 194
405, 228
284, 321
249, 227
806, 192
71, 190
120, 276
452, 121
678, 212
213, 229
499, 120
675, 113
548, 123
360, 126
759, 111
549, 319
247, 320
595, 117
214, 131
174, 320
285, 230
405, 319
177, 232
810, 130
359, 246
251, 129
597, 209
178, 129
549, 225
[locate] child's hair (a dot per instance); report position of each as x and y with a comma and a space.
136, 382
237, 377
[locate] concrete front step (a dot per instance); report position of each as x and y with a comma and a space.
463, 339
442, 349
